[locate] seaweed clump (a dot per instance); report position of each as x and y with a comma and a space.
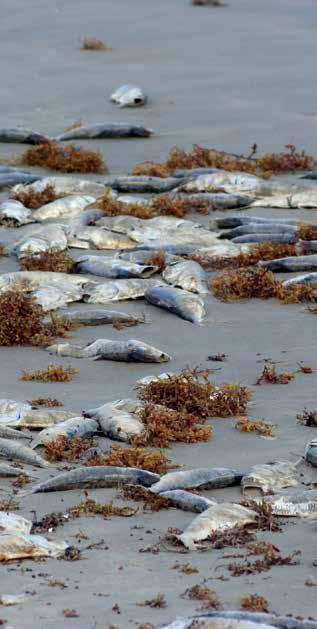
92, 43
67, 159
33, 199
308, 418
254, 602
269, 375
50, 260
164, 426
151, 502
91, 506
53, 373
259, 252
135, 457
45, 401
161, 205
244, 424
66, 449
271, 557
200, 593
288, 161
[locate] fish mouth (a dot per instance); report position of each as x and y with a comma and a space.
252, 489
138, 101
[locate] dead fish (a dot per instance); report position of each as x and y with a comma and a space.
301, 504
194, 172
63, 186
101, 317
8, 180
242, 620
106, 130
270, 477
23, 546
119, 419
218, 517
88, 237
6, 471
35, 279
113, 268
118, 290
37, 418
63, 208
307, 278
17, 452
291, 263
51, 296
129, 96
23, 136
255, 228
217, 200
122, 224
303, 199
86, 217
11, 411
311, 452
203, 477
40, 240
142, 183
143, 257
95, 477
180, 302
71, 428
13, 523
11, 433
178, 249
225, 222
187, 501
127, 351
311, 175
12, 210
188, 275
208, 182
287, 237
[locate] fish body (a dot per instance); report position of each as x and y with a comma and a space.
180, 302
188, 275
204, 478
101, 317
142, 183
225, 222
65, 207
34, 279
37, 418
301, 504
271, 477
13, 523
129, 96
126, 351
63, 186
106, 130
217, 518
217, 200
311, 452
113, 268
22, 136
143, 257
307, 278
15, 211
53, 296
291, 263
10, 433
234, 181
255, 228
286, 237
118, 420
94, 477
23, 546
187, 501
7, 471
40, 240
237, 619
11, 411
12, 450
71, 428
10, 179
89, 237
119, 290
302, 199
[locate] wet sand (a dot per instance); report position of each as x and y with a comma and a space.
219, 77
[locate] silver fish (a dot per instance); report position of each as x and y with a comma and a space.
126, 351
235, 180
287, 237
187, 501
40, 240
143, 257
37, 418
301, 504
106, 130
291, 263
63, 186
6, 471
53, 296
311, 452
113, 268
118, 290
307, 278
35, 279
10, 433
17, 452
66, 207
302, 199
11, 411
94, 477
8, 180
204, 478
188, 275
218, 517
89, 237
13, 210
22, 136
242, 620
180, 302
101, 317
217, 200
13, 523
194, 172
270, 477
86, 217
119, 419
23, 546
129, 96
225, 222
142, 183
71, 428
255, 228
122, 224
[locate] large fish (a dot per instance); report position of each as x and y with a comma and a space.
39, 240
129, 96
8, 471
187, 501
118, 290
270, 477
71, 428
307, 278
89, 237
119, 419
52, 296
302, 504
286, 237
113, 267
63, 208
10, 433
240, 620
63, 186
291, 263
209, 182
38, 418
13, 210
10, 449
106, 130
180, 302
22, 136
236, 220
142, 183
216, 200
304, 199
8, 180
204, 478
104, 349
256, 228
11, 411
188, 275
13, 523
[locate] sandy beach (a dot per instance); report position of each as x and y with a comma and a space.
223, 78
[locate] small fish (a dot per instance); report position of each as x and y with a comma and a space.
63, 186
255, 228
180, 302
12, 450
12, 210
307, 278
118, 419
287, 237
101, 317
23, 136
8, 180
311, 452
270, 477
13, 523
129, 96
218, 517
11, 433
204, 478
301, 504
71, 428
188, 275
66, 207
106, 130
6, 471
187, 501
53, 296
118, 290
142, 183
95, 477
291, 263
40, 240
23, 546
113, 268
37, 418
89, 237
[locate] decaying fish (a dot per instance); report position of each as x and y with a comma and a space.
71, 428
63, 186
53, 296
303, 199
8, 180
291, 263
113, 267
307, 278
34, 279
10, 433
270, 477
180, 302
13, 523
256, 228
22, 136
211, 181
63, 208
104, 349
102, 317
287, 238
187, 501
87, 217
15, 451
106, 130
142, 183
129, 96
188, 275
204, 478
7, 471
217, 200
171, 231
119, 290
302, 504
143, 257
23, 546
218, 517
242, 620
11, 411
12, 210
40, 240
89, 237
38, 418
236, 220
311, 452
119, 419
94, 477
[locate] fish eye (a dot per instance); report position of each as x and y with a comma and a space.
138, 100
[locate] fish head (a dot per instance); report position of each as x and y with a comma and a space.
131, 96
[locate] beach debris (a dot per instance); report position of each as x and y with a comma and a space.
129, 96
163, 426
13, 213
53, 373
8, 600
67, 159
11, 433
206, 595
32, 199
119, 419
311, 452
202, 478
235, 619
27, 546
92, 43
8, 471
265, 429
270, 477
158, 602
269, 375
41, 240
271, 557
178, 301
64, 449
36, 418
104, 349
14, 451
105, 130
218, 358
254, 602
142, 458
208, 3
45, 401
308, 418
